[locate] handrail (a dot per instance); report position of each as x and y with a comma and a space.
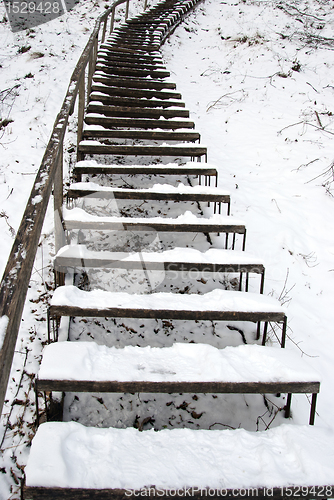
16, 277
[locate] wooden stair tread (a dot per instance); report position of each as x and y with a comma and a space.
220, 305
95, 147
190, 168
130, 101
157, 192
127, 460
76, 218
134, 112
163, 135
246, 368
142, 123
99, 86
214, 259
136, 83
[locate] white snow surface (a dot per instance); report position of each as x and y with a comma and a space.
216, 300
3, 328
71, 455
189, 165
156, 188
181, 362
212, 256
79, 215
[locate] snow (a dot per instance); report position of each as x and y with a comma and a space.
190, 165
181, 362
3, 328
71, 455
216, 300
79, 215
156, 188
212, 256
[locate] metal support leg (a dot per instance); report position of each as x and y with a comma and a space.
284, 332
265, 330
36, 402
313, 405
288, 406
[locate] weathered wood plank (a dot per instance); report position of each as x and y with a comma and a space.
141, 194
133, 112
141, 134
176, 387
277, 493
115, 312
116, 70
139, 103
135, 83
142, 150
145, 123
128, 92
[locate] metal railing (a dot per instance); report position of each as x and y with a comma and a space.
16, 277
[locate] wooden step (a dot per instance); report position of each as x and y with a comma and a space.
109, 463
190, 168
127, 92
159, 192
132, 102
129, 60
76, 218
95, 148
214, 261
142, 123
140, 54
134, 83
217, 305
134, 112
182, 368
133, 72
105, 59
154, 135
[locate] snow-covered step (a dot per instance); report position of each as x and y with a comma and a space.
134, 112
94, 132
140, 93
189, 150
136, 83
132, 102
190, 168
77, 218
158, 192
108, 59
186, 368
214, 260
217, 305
142, 123
136, 72
276, 463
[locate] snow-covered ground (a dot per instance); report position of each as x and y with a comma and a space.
257, 77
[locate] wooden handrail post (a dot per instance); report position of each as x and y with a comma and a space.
58, 195
127, 9
104, 29
112, 20
81, 112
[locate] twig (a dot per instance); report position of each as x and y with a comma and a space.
307, 83
225, 95
318, 118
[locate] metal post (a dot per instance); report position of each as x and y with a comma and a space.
313, 405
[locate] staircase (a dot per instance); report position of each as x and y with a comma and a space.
137, 147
